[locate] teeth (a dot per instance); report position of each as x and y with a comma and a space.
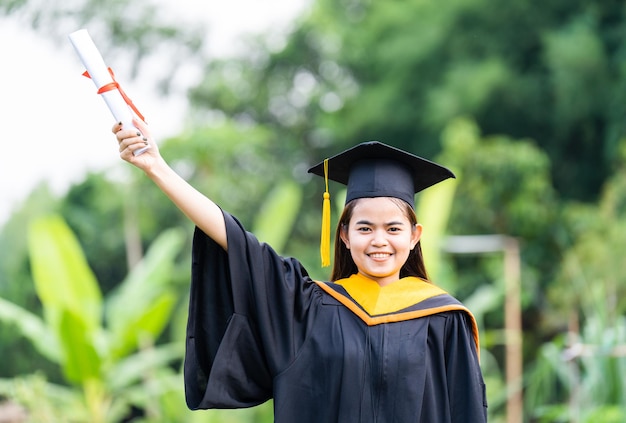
379, 255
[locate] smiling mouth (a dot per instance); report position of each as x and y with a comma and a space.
379, 255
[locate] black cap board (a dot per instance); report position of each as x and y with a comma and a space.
374, 169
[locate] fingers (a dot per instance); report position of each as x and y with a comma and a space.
116, 128
142, 126
132, 140
122, 134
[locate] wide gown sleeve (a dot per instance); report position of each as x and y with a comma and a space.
466, 387
248, 313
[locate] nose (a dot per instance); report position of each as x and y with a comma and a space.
379, 239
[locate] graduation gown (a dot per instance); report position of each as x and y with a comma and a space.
259, 327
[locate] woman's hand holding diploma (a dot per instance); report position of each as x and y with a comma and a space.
136, 138
201, 210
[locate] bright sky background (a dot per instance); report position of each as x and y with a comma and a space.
55, 128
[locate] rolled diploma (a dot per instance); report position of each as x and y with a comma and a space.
99, 74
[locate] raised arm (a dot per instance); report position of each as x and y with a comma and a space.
196, 206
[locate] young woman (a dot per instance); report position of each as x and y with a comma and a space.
379, 343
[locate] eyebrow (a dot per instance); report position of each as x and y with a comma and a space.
367, 222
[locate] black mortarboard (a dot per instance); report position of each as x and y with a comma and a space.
374, 169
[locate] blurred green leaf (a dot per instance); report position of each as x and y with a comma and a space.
133, 368
32, 327
143, 303
433, 212
274, 222
81, 361
62, 276
149, 321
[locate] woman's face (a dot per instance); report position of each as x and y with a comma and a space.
380, 238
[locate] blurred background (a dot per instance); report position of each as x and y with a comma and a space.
525, 102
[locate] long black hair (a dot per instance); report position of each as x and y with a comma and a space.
344, 266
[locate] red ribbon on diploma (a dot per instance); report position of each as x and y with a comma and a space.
116, 86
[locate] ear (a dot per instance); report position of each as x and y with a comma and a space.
416, 235
343, 233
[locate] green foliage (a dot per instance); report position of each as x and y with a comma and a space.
525, 103
71, 333
148, 286
400, 71
16, 284
62, 276
274, 221
506, 184
31, 327
433, 211
586, 367
580, 379
597, 240
504, 188
88, 207
46, 402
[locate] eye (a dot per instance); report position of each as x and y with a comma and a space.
363, 229
394, 229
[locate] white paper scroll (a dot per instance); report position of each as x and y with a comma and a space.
99, 74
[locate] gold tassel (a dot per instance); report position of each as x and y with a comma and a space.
325, 241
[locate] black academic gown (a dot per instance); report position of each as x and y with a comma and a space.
260, 328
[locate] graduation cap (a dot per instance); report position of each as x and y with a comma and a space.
373, 169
